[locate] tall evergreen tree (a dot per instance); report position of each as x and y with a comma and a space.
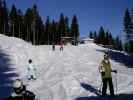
116, 45
53, 31
119, 44
101, 37
126, 47
1, 17
28, 24
130, 49
47, 30
40, 29
62, 26
20, 23
42, 35
34, 24
5, 16
91, 35
13, 21
37, 25
107, 38
57, 35
67, 28
127, 22
95, 37
75, 28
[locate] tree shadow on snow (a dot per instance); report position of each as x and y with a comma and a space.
6, 75
92, 89
120, 57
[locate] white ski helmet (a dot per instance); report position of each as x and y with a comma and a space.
17, 83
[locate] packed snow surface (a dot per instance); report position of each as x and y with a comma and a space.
60, 74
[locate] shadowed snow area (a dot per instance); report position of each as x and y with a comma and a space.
68, 75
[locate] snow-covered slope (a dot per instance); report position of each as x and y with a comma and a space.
63, 75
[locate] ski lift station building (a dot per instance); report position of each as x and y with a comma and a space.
66, 40
86, 40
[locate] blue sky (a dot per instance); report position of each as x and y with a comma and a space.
91, 13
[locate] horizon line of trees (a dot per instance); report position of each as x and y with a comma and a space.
30, 27
105, 38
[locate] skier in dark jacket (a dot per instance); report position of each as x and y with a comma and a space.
20, 92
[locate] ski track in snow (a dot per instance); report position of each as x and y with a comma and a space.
60, 74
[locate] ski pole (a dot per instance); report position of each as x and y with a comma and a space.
100, 88
115, 71
116, 83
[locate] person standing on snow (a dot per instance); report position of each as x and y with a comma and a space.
61, 46
105, 70
53, 47
31, 71
19, 92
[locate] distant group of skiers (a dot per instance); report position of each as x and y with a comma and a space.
61, 46
20, 92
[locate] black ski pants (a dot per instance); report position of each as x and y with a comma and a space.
106, 82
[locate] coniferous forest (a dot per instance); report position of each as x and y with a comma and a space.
105, 37
30, 27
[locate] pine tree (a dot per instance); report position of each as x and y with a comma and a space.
5, 16
67, 28
28, 24
1, 17
101, 36
37, 25
75, 29
47, 30
57, 34
21, 23
62, 26
127, 22
107, 38
50, 34
120, 45
91, 35
53, 31
95, 37
126, 47
111, 40
34, 24
13, 21
116, 45
130, 46
40, 29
